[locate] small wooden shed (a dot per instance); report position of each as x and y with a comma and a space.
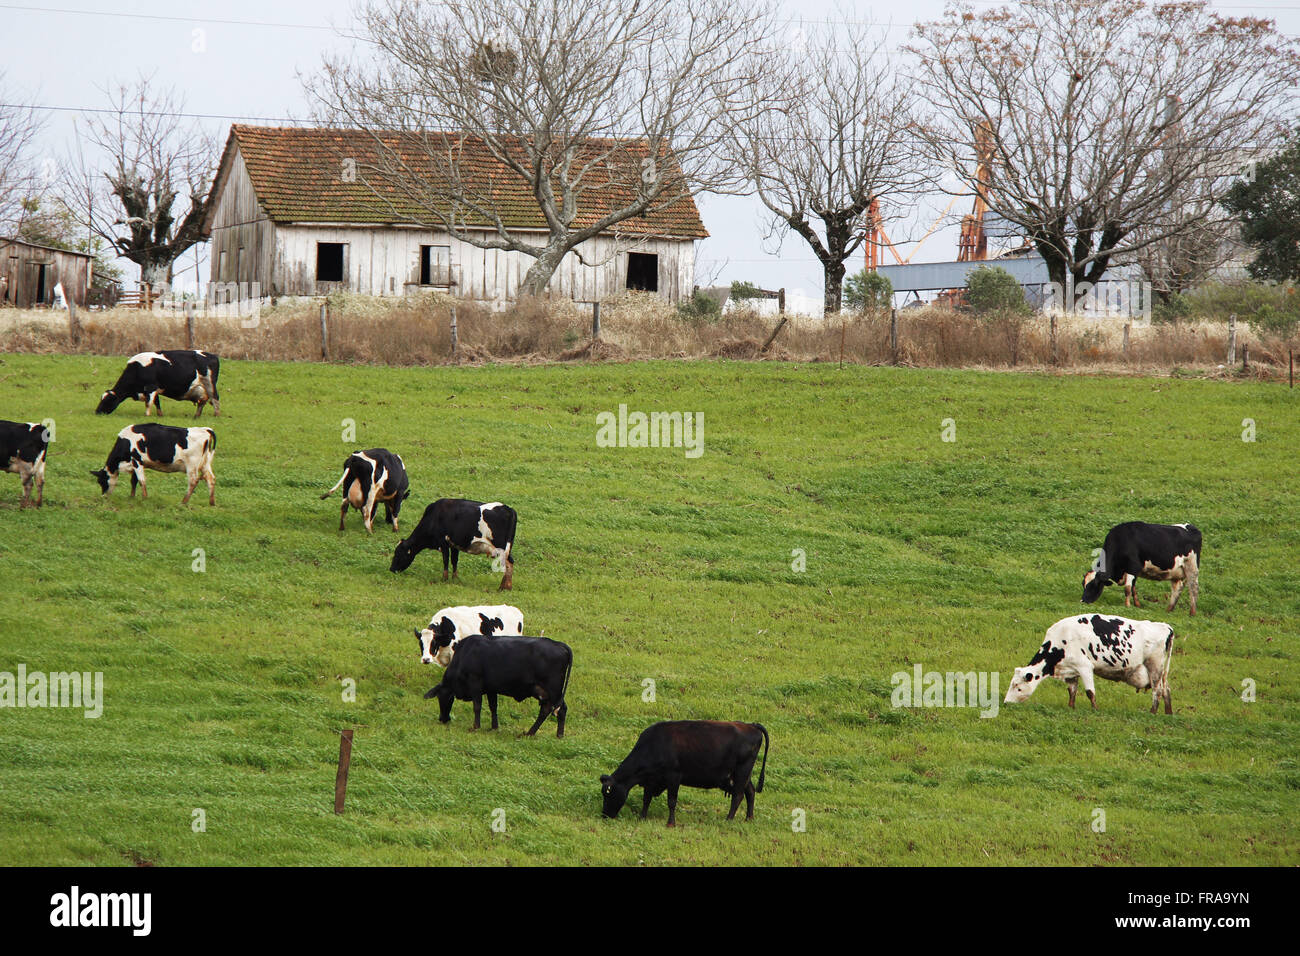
29, 273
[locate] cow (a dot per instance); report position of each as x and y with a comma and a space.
1159, 552
454, 525
451, 625
370, 477
519, 667
184, 375
710, 754
161, 448
22, 451
1115, 648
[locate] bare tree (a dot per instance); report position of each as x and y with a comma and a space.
1104, 114
144, 187
841, 136
598, 111
19, 176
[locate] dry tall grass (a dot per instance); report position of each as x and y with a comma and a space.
418, 332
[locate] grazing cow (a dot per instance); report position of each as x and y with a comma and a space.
454, 525
451, 625
22, 451
1077, 649
370, 477
710, 754
519, 667
162, 448
1159, 552
183, 375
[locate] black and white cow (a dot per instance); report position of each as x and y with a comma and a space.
709, 754
370, 477
1158, 552
456, 524
1077, 649
161, 448
22, 451
184, 375
452, 625
519, 667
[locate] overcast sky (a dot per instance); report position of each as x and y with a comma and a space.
240, 60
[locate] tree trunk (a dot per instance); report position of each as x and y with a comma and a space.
539, 274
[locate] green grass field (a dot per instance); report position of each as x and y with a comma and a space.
224, 689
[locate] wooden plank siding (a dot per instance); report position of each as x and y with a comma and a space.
28, 274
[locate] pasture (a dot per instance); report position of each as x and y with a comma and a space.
224, 688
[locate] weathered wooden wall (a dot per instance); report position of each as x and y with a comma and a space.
20, 264
386, 261
240, 223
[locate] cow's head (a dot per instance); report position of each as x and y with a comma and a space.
107, 479
435, 642
614, 795
1024, 681
402, 556
445, 698
108, 403
1093, 583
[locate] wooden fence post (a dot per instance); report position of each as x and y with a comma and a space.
455, 336
1245, 356
1127, 327
74, 327
595, 320
189, 325
1052, 338
345, 761
324, 334
1232, 339
893, 335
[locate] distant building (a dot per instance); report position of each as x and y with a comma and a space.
29, 273
284, 217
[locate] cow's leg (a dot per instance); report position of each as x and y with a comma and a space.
198, 406
1089, 688
672, 803
211, 479
343, 513
445, 558
478, 710
492, 706
40, 480
507, 581
1073, 686
27, 473
1176, 589
543, 712
192, 480
737, 794
368, 511
455, 561
1192, 574
134, 481
749, 800
645, 803
559, 717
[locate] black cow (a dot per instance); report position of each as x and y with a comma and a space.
180, 374
22, 451
454, 525
1159, 552
710, 754
519, 667
161, 448
370, 477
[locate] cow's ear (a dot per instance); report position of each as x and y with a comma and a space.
417, 633
604, 779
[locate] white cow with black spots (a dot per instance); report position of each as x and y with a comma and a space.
452, 624
1077, 649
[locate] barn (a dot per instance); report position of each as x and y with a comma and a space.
29, 273
286, 215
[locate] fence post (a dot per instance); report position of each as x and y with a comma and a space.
780, 300
345, 761
74, 329
893, 335
595, 320
1245, 356
189, 325
1232, 339
324, 334
455, 338
1052, 338
1127, 327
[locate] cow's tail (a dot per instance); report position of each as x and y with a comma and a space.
1169, 656
337, 486
510, 537
762, 773
212, 440
568, 669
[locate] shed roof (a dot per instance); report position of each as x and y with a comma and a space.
296, 174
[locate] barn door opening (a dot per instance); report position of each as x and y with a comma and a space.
40, 284
435, 265
329, 261
643, 272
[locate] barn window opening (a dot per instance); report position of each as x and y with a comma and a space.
435, 265
329, 261
643, 272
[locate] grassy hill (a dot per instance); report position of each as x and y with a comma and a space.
224, 689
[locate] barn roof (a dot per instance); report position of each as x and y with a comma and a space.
296, 173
